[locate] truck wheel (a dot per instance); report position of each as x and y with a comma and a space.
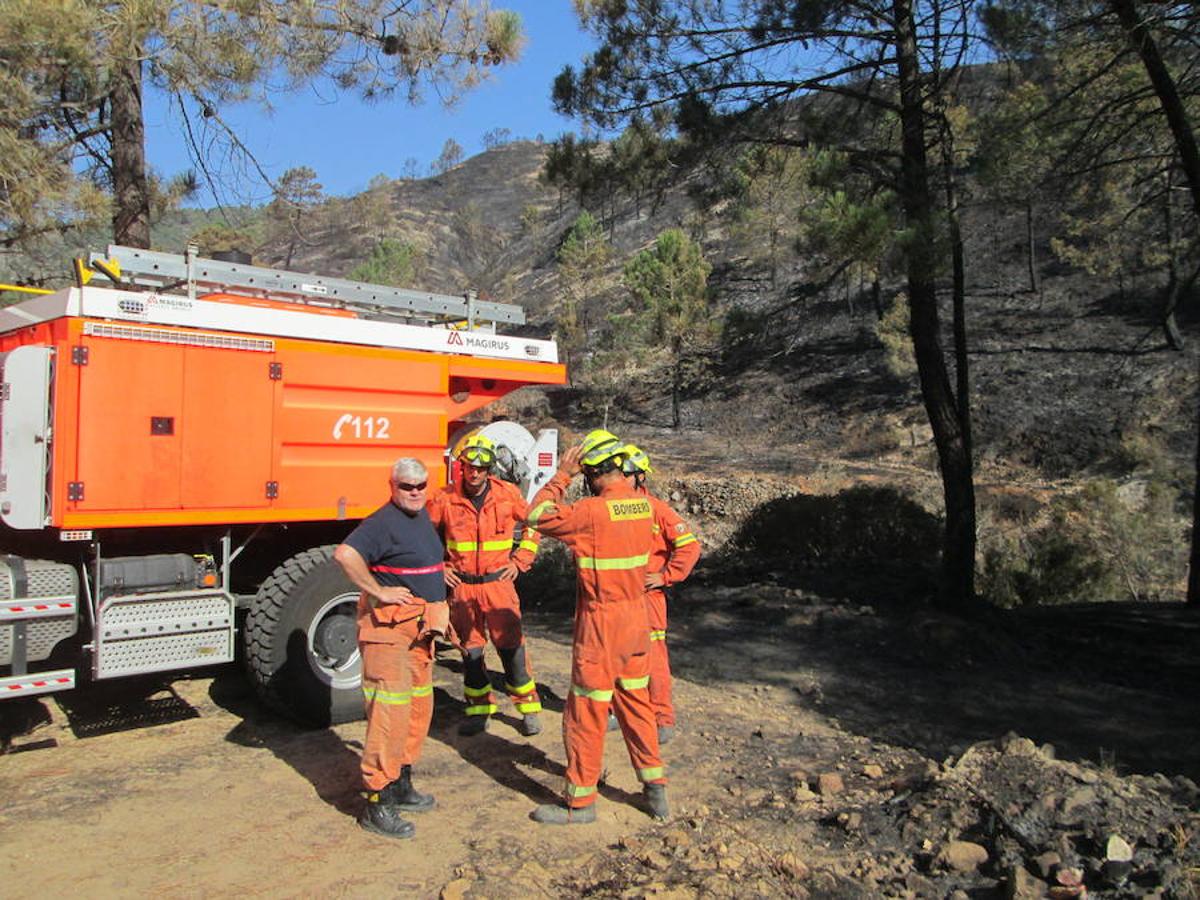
301, 641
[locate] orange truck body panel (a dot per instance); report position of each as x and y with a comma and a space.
155, 430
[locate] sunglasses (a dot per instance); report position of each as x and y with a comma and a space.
404, 486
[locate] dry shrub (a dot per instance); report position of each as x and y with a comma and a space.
863, 524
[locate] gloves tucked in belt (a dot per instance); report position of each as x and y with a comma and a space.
436, 620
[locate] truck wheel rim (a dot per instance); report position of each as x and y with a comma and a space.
334, 659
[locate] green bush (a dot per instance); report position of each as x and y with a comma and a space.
1098, 545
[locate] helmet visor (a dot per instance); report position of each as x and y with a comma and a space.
482, 457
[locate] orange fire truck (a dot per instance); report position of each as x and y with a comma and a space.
182, 447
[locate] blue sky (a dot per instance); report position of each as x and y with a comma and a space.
348, 142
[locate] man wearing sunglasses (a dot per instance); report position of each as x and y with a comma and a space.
394, 557
481, 517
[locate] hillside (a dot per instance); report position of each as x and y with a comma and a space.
1071, 385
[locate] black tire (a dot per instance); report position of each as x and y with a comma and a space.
301, 641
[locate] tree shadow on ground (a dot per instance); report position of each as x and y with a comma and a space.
322, 757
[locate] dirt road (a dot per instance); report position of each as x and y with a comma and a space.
826, 748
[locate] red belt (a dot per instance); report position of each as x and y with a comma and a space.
396, 570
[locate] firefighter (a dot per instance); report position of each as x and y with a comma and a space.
481, 518
676, 552
394, 558
611, 536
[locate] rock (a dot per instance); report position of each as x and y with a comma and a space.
829, 783
1046, 863
1117, 849
850, 821
798, 776
456, 890
802, 795
1077, 799
1069, 876
1012, 744
790, 866
873, 771
960, 895
1019, 884
919, 885
962, 856
677, 839
1115, 871
654, 859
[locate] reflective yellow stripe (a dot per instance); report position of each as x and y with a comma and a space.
538, 511
525, 708
658, 635
477, 692
683, 539
531, 546
612, 563
423, 690
526, 688
633, 684
389, 698
599, 696
650, 774
468, 546
485, 710
575, 791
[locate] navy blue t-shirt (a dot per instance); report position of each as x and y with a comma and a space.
402, 550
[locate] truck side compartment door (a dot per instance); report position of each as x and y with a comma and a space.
26, 376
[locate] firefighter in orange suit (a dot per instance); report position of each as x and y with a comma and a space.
676, 552
481, 519
611, 536
394, 557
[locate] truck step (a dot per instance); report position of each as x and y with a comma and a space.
164, 631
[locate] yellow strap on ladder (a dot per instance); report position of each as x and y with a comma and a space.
25, 290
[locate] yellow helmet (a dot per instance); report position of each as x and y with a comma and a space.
599, 446
477, 450
636, 460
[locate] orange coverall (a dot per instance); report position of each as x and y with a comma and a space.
675, 553
611, 537
478, 543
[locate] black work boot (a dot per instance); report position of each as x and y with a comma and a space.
473, 725
405, 797
531, 724
382, 816
656, 800
558, 814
